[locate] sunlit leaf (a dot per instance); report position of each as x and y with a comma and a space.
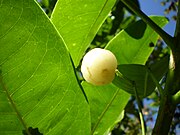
132, 45
106, 104
78, 22
38, 88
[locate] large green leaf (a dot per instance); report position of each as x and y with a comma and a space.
78, 22
132, 45
106, 104
38, 87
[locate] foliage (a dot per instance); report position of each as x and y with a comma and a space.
40, 56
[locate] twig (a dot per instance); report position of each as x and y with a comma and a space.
165, 36
143, 127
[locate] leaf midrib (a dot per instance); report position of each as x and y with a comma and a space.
104, 111
13, 104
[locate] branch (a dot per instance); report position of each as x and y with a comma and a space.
165, 36
172, 86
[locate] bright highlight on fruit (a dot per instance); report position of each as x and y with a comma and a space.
98, 66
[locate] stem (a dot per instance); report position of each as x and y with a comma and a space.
165, 115
167, 108
13, 104
176, 54
165, 36
156, 83
143, 127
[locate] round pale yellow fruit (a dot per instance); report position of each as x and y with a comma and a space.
98, 66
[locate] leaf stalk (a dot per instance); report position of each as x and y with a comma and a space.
143, 127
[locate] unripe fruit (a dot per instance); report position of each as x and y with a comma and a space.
98, 66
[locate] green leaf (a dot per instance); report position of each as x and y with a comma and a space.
106, 105
140, 78
133, 75
78, 22
131, 46
38, 87
160, 67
